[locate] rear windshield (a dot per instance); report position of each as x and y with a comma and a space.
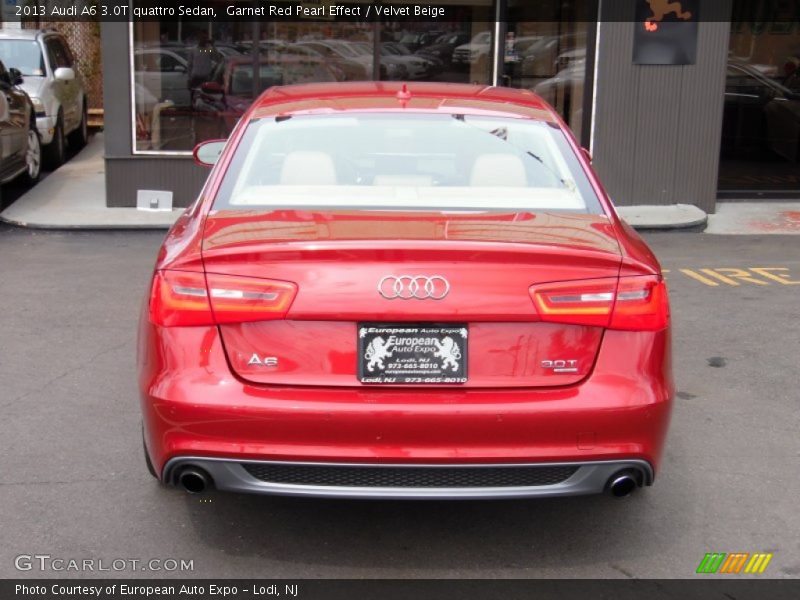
407, 161
24, 55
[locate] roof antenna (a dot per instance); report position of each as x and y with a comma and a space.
403, 96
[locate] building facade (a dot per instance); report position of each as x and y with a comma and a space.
719, 117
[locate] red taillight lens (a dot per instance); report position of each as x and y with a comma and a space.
642, 304
576, 302
240, 299
179, 298
633, 303
182, 299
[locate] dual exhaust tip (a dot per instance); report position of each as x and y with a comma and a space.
623, 483
194, 480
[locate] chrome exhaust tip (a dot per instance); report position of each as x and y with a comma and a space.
622, 484
194, 481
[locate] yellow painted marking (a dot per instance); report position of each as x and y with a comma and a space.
780, 278
720, 276
742, 274
767, 558
754, 563
699, 277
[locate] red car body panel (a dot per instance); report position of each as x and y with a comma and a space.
201, 398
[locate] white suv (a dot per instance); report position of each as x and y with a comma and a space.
55, 87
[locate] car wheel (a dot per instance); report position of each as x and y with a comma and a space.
55, 150
33, 155
147, 460
80, 137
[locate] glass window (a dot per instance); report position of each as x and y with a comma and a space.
23, 55
409, 161
545, 51
57, 53
760, 146
191, 79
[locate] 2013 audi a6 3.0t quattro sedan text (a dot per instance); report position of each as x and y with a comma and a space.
404, 292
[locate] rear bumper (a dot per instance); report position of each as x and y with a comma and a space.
194, 407
377, 482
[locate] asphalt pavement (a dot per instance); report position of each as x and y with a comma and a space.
73, 484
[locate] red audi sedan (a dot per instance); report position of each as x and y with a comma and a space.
392, 291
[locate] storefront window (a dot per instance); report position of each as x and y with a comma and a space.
192, 81
760, 150
549, 56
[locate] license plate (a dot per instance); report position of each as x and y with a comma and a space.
423, 354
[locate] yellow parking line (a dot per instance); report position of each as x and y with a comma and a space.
720, 276
780, 278
698, 277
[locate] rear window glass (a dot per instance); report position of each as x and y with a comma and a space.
397, 161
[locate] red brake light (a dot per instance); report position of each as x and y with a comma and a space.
642, 304
576, 302
633, 303
240, 299
179, 298
182, 299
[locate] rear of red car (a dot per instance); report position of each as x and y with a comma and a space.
458, 317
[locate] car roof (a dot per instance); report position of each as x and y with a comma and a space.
383, 96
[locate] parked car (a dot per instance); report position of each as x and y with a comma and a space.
54, 85
443, 46
20, 148
393, 290
476, 50
232, 88
354, 65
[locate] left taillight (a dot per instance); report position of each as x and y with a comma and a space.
183, 299
636, 303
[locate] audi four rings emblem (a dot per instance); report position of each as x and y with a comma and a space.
417, 287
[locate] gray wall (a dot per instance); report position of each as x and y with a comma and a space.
125, 173
657, 128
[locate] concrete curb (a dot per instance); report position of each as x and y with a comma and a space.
664, 218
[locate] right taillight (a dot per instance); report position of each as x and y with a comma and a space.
182, 298
630, 303
641, 304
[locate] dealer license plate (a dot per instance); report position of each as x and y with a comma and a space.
422, 354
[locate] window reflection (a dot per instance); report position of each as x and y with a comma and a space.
549, 58
760, 146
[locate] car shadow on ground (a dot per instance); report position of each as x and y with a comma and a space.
432, 535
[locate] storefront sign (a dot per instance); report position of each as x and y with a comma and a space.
665, 32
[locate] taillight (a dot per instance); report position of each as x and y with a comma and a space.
633, 303
240, 299
181, 298
642, 304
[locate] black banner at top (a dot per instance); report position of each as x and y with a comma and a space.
38, 11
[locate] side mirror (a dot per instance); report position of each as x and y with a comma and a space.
15, 76
587, 155
212, 87
206, 154
64, 74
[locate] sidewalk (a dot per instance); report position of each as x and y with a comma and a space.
74, 197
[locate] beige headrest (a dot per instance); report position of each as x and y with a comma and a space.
498, 170
308, 168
